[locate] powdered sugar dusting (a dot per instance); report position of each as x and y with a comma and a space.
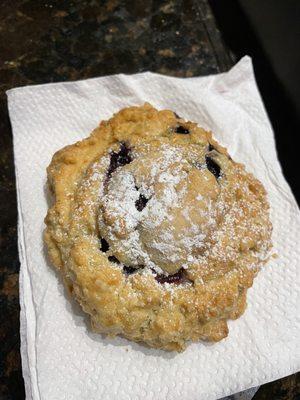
178, 226
150, 237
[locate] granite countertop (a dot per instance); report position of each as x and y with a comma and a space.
59, 40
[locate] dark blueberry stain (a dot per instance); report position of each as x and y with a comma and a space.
175, 278
213, 167
114, 259
210, 147
129, 270
118, 159
104, 245
182, 130
141, 202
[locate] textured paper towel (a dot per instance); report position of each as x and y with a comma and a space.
61, 358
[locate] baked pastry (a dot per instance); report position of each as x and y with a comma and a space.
156, 231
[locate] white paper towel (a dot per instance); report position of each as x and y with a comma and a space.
61, 358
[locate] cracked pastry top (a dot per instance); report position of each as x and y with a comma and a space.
155, 230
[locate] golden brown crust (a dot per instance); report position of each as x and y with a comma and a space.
137, 306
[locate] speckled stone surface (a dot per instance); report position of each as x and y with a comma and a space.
49, 41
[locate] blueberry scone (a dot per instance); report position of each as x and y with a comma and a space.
155, 230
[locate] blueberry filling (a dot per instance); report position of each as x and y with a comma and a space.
213, 167
211, 147
118, 159
129, 270
182, 130
104, 245
175, 278
141, 202
113, 259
